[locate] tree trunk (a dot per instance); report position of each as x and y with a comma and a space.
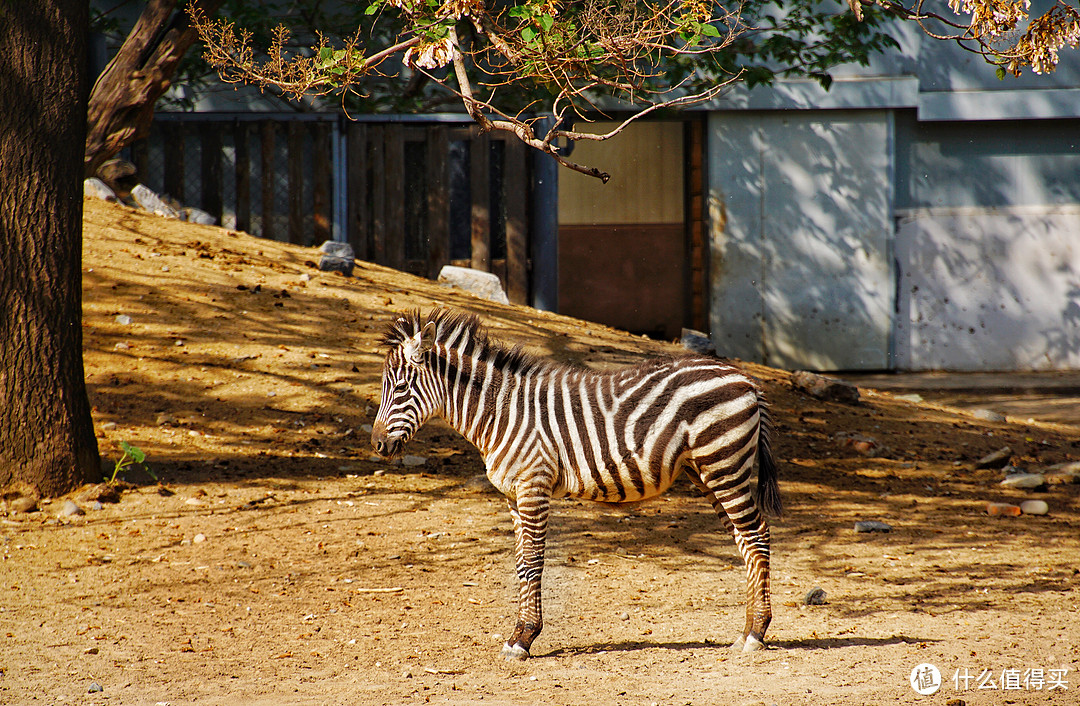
122, 102
46, 430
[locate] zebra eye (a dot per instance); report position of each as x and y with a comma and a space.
401, 386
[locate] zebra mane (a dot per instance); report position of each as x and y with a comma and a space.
462, 331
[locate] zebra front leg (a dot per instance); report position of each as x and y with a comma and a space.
530, 515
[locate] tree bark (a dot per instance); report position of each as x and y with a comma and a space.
46, 430
122, 101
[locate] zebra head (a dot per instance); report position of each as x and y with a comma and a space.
409, 392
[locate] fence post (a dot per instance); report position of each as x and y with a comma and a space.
438, 203
545, 230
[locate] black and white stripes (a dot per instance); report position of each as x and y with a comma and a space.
547, 430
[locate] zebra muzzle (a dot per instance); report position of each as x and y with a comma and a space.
386, 445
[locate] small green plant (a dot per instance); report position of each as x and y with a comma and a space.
132, 456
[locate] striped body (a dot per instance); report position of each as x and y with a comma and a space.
548, 430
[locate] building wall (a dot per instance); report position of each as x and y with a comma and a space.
986, 244
622, 245
977, 267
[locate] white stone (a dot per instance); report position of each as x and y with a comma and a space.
1024, 480
147, 200
1034, 507
483, 284
98, 189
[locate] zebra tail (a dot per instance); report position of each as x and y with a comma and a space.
768, 486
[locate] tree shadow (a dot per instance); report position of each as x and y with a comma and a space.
771, 646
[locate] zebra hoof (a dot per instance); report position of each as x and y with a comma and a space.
737, 646
752, 644
512, 653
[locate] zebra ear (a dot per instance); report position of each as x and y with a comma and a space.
419, 343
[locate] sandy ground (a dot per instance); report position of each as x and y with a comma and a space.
279, 564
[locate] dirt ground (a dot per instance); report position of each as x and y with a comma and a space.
278, 563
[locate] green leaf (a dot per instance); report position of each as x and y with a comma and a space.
547, 22
709, 30
136, 453
528, 34
372, 8
1000, 73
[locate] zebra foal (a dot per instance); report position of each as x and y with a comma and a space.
547, 430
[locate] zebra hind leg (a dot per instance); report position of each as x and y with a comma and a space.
530, 532
739, 513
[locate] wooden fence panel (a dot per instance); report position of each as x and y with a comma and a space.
296, 182
377, 150
358, 227
515, 197
242, 173
173, 147
210, 144
321, 198
267, 173
438, 200
479, 173
395, 195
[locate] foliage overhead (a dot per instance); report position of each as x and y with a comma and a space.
508, 61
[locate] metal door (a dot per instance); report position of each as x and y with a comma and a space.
800, 215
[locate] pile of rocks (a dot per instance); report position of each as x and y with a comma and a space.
1020, 479
118, 184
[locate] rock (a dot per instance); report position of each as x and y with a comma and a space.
872, 526
70, 509
108, 426
103, 493
337, 249
123, 319
1024, 480
147, 200
24, 503
624, 616
1063, 473
1003, 509
199, 538
197, 215
483, 284
119, 175
164, 419
412, 461
95, 688
330, 263
988, 415
1034, 507
96, 505
815, 596
912, 397
863, 445
98, 189
697, 342
996, 459
824, 388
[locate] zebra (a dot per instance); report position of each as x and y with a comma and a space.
548, 430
